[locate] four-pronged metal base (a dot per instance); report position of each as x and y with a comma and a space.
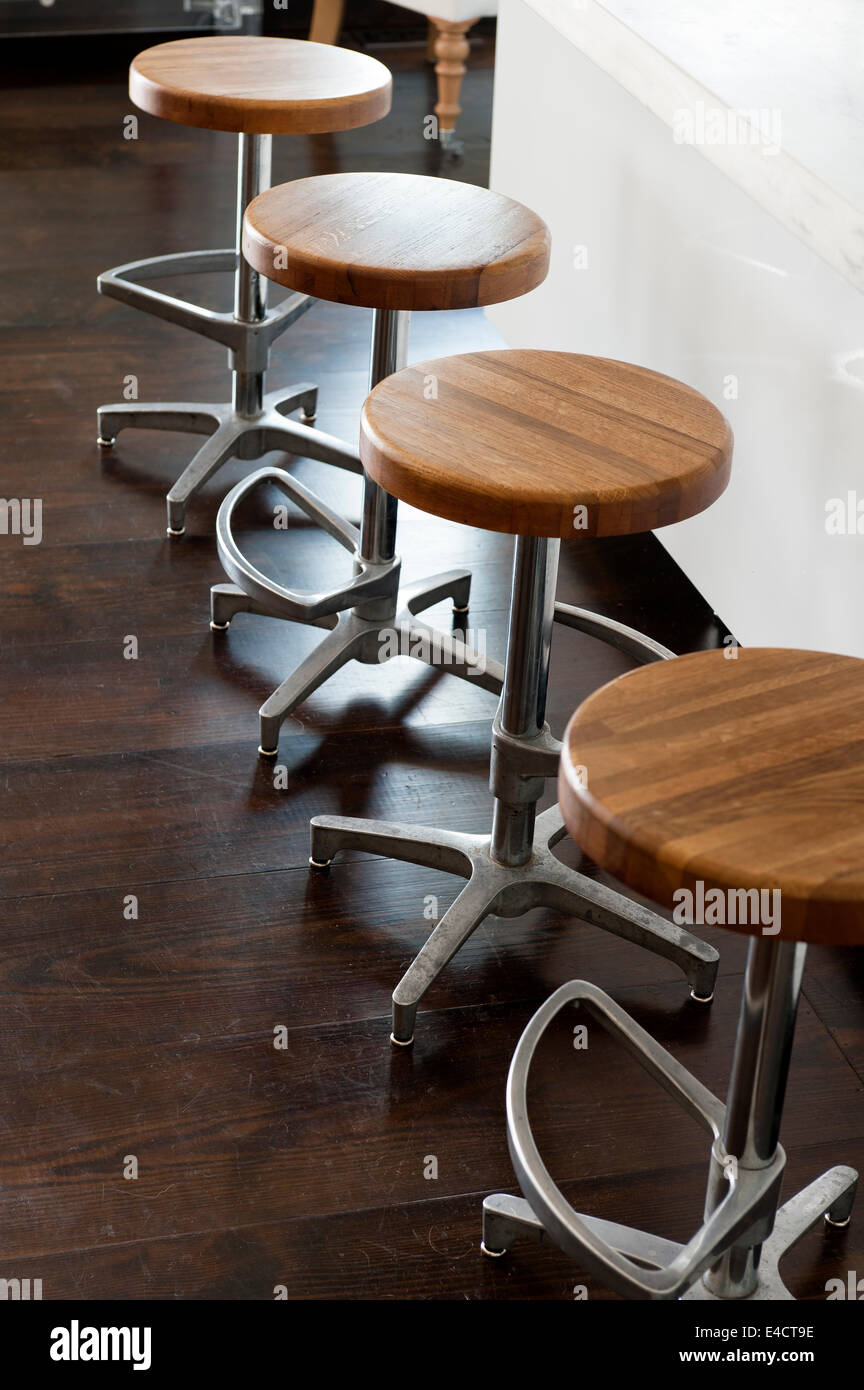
371, 641
231, 435
496, 890
370, 618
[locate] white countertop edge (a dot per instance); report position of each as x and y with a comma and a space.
821, 217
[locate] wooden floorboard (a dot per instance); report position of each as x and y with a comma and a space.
152, 1035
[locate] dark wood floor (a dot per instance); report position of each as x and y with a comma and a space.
304, 1166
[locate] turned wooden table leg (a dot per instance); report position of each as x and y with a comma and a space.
327, 18
451, 50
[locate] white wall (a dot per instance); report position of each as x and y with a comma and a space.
687, 275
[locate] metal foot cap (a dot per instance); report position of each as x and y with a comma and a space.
837, 1225
106, 443
402, 1042
219, 627
493, 1254
701, 998
267, 752
172, 531
320, 863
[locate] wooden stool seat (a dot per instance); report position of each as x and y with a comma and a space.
259, 86
396, 241
734, 772
545, 443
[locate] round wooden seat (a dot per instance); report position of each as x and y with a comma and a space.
396, 241
259, 86
545, 443
742, 772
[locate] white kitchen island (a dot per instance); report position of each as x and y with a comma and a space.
735, 262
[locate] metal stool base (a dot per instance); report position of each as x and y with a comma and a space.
252, 423
743, 1224
353, 638
496, 890
507, 1219
231, 435
369, 610
513, 869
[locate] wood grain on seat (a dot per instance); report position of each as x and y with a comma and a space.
545, 443
396, 241
259, 85
741, 772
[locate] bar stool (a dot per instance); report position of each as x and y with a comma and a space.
392, 243
728, 778
255, 87
534, 443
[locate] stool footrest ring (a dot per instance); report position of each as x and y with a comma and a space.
662, 1270
250, 342
371, 580
615, 634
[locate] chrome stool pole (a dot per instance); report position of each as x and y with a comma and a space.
253, 423
389, 354
513, 869
766, 1026
250, 289
521, 714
